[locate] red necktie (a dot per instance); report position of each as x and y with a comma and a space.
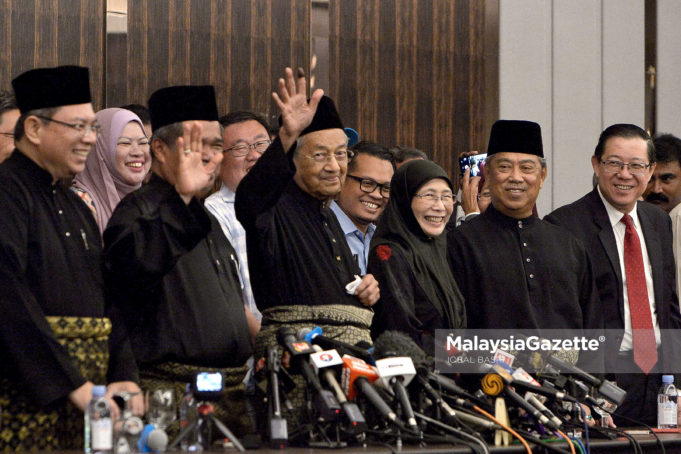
645, 348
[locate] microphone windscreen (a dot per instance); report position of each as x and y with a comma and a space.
282, 334
492, 384
302, 332
396, 343
158, 440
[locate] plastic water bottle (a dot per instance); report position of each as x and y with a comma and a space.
98, 423
188, 415
667, 407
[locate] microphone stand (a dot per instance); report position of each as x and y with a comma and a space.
207, 419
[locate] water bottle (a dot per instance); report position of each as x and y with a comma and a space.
188, 415
98, 423
667, 404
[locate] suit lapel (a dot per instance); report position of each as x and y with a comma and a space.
607, 239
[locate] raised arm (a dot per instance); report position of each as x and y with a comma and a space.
263, 185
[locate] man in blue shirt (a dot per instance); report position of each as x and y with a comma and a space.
363, 197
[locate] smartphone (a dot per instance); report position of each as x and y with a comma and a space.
475, 162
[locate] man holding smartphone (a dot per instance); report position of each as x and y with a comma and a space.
515, 270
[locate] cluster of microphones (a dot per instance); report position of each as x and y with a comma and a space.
390, 393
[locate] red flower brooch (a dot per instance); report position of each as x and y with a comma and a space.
383, 252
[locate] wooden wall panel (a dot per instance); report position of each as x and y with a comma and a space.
239, 46
416, 73
41, 33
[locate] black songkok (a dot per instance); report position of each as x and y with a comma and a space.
515, 136
326, 117
52, 87
182, 103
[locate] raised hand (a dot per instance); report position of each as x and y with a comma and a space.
190, 174
296, 111
469, 193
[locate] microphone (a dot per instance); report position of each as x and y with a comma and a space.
152, 439
357, 378
278, 429
315, 336
325, 363
397, 341
324, 401
493, 384
606, 388
395, 372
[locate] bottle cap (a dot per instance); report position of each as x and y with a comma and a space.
667, 379
98, 391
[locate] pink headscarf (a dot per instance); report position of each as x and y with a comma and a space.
100, 179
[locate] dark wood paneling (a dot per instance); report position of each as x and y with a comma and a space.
42, 33
239, 46
416, 73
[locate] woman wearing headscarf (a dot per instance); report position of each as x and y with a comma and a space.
409, 257
116, 165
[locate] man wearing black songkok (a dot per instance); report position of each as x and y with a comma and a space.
300, 262
57, 336
515, 270
169, 268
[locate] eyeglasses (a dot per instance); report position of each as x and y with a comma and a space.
635, 168
7, 134
243, 149
368, 185
447, 199
340, 156
81, 128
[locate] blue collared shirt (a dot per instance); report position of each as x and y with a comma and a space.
358, 242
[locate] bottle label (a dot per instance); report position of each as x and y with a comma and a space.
101, 433
667, 413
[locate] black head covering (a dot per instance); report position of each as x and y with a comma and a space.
515, 136
326, 117
52, 87
399, 229
182, 103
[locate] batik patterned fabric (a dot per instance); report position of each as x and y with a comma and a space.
27, 427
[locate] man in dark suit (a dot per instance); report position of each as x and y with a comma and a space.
609, 221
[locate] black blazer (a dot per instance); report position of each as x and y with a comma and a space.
588, 220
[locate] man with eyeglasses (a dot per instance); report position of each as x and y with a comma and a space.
245, 140
363, 197
516, 271
630, 245
9, 114
299, 261
170, 270
57, 337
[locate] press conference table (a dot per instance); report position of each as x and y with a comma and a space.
672, 443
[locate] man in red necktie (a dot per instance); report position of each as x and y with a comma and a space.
630, 244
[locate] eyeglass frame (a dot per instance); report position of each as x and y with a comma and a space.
623, 164
7, 134
80, 128
249, 147
438, 198
375, 184
348, 156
